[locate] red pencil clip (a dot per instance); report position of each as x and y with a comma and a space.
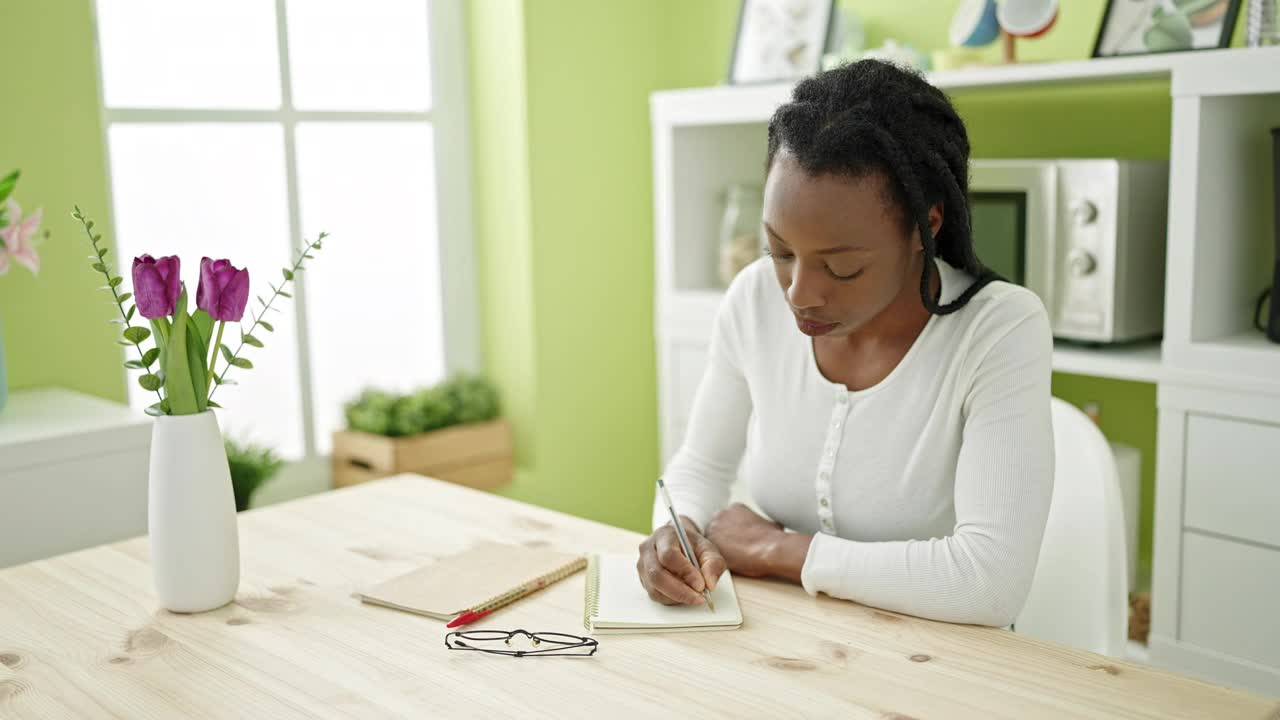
467, 617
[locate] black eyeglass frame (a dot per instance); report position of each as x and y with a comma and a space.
456, 641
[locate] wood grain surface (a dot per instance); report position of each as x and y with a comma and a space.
80, 636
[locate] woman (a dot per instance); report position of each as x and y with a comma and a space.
890, 407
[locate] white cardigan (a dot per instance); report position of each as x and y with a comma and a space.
927, 493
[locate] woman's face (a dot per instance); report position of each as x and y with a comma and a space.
838, 247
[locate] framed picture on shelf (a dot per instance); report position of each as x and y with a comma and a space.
779, 40
1141, 27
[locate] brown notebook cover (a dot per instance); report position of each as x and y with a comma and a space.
486, 574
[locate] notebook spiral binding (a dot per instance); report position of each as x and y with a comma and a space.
591, 606
535, 584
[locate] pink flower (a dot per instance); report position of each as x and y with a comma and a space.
223, 291
16, 238
156, 285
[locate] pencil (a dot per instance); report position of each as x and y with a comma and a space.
684, 540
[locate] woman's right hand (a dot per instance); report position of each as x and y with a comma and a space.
667, 574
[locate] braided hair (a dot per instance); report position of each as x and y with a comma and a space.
872, 117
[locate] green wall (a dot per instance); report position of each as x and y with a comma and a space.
560, 101
55, 324
500, 153
589, 161
697, 38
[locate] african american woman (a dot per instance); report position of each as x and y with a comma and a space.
889, 408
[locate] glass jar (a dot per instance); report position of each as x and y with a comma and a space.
741, 232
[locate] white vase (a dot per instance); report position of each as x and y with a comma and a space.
195, 549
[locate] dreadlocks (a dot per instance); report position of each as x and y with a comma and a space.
873, 117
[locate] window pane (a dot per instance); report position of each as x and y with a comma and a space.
370, 55
189, 54
196, 190
373, 293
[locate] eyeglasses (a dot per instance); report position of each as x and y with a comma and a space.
498, 642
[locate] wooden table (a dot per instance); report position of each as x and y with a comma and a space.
80, 636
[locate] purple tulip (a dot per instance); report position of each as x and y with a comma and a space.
156, 285
223, 290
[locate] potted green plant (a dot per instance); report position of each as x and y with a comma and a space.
251, 467
452, 431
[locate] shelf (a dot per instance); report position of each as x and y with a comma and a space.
1071, 71
712, 295
1252, 343
1235, 71
1246, 358
1140, 361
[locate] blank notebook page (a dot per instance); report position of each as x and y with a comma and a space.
617, 602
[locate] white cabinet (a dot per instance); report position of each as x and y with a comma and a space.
1233, 478
73, 474
1229, 597
1215, 601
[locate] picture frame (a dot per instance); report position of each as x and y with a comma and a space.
780, 40
1144, 27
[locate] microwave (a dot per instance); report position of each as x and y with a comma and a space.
1086, 235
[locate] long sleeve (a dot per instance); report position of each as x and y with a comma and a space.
703, 470
982, 572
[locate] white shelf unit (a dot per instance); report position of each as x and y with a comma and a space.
1221, 234
1210, 363
1202, 73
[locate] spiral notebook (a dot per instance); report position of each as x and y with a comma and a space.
616, 602
486, 576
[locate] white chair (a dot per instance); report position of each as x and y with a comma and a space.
1079, 596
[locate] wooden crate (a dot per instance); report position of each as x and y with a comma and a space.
478, 455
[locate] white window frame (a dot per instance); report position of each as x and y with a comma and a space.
447, 118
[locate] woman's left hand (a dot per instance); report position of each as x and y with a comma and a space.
744, 539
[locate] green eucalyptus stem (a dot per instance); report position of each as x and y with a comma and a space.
115, 294
266, 307
213, 354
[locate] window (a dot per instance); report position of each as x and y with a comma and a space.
237, 128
